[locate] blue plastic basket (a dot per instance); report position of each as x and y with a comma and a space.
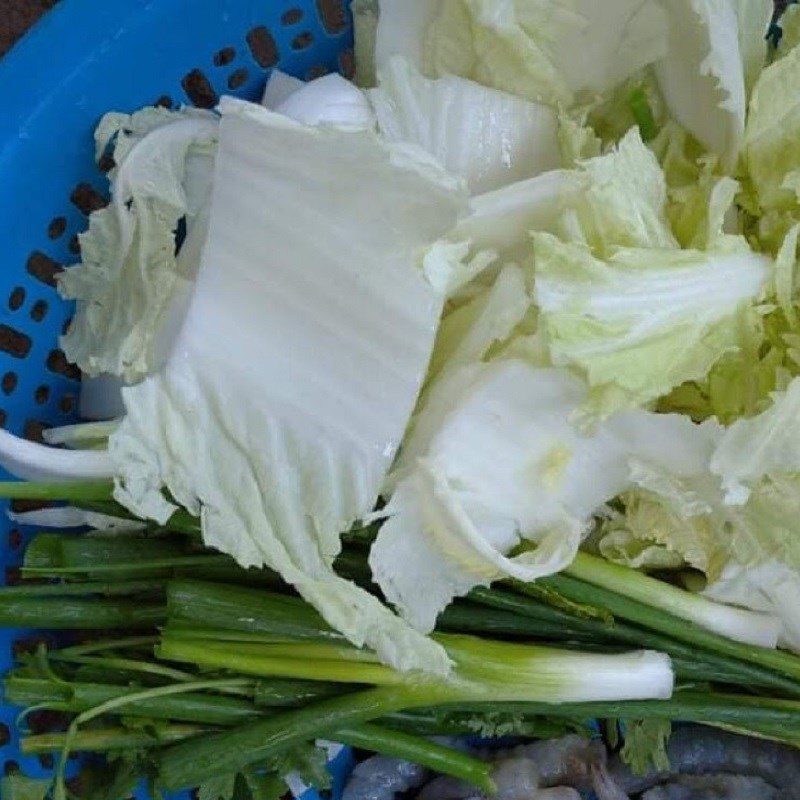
83, 59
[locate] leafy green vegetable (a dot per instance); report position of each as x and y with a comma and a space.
328, 101
747, 550
486, 136
130, 276
771, 151
495, 458
365, 28
645, 746
467, 334
753, 17
621, 546
278, 467
702, 76
644, 320
642, 113
623, 202
544, 51
761, 446
621, 302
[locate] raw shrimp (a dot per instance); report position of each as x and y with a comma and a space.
381, 778
697, 750
605, 787
452, 789
516, 779
715, 787
545, 770
567, 761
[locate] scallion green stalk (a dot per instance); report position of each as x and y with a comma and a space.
75, 698
748, 627
428, 754
101, 740
66, 490
190, 763
652, 616
63, 613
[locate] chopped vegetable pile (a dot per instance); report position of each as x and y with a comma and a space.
459, 402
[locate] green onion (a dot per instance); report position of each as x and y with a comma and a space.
618, 600
209, 604
64, 613
748, 627
118, 588
99, 740
265, 661
67, 490
420, 751
684, 705
444, 722
690, 661
203, 708
189, 763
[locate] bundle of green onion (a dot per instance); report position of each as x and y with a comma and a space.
191, 670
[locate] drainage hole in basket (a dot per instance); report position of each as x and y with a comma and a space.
13, 576
46, 760
262, 46
34, 429
237, 78
16, 298
39, 310
43, 268
316, 71
87, 199
67, 403
9, 382
56, 227
199, 89
42, 394
333, 14
292, 16
57, 362
347, 64
224, 57
14, 342
302, 41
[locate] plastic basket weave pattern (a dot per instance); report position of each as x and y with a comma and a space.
83, 59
